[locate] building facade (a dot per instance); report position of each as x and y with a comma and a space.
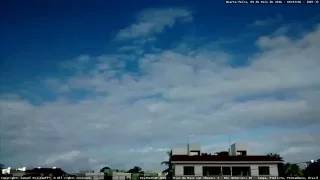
95, 175
188, 161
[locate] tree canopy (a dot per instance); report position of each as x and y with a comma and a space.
313, 169
135, 169
104, 168
275, 156
222, 153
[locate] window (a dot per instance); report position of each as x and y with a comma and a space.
188, 170
264, 170
211, 171
226, 171
194, 153
241, 171
241, 153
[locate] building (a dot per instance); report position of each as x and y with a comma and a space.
46, 172
95, 175
188, 161
115, 175
19, 172
121, 176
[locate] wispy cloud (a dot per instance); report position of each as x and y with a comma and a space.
154, 21
268, 21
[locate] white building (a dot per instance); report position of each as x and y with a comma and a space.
188, 161
95, 175
121, 176
115, 175
9, 170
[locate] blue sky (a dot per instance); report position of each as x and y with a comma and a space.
135, 78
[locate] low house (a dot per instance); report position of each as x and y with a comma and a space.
121, 176
188, 161
45, 172
95, 175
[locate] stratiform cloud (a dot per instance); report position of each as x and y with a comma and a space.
121, 118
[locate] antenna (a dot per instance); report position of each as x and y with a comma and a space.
229, 148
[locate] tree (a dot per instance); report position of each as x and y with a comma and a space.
107, 173
135, 169
275, 156
169, 165
206, 154
313, 169
281, 166
292, 170
222, 153
104, 169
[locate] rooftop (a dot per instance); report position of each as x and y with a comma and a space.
222, 158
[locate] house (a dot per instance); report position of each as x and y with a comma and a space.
45, 172
95, 175
19, 172
188, 161
121, 176
115, 176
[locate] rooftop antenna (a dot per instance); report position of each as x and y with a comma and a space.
229, 148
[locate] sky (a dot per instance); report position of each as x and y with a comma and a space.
87, 84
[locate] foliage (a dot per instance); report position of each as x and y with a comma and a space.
135, 169
222, 153
275, 156
206, 154
104, 169
292, 170
168, 163
313, 170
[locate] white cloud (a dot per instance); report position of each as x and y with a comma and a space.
68, 156
153, 21
177, 95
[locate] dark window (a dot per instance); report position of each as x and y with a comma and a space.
226, 171
241, 171
264, 170
193, 153
188, 170
242, 153
211, 171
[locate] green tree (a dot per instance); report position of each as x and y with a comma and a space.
313, 169
206, 154
135, 169
169, 165
104, 169
222, 153
107, 173
275, 156
281, 166
292, 170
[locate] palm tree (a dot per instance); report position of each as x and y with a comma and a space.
168, 164
292, 170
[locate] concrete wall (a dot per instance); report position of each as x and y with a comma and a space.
178, 168
180, 151
194, 147
238, 147
121, 176
95, 175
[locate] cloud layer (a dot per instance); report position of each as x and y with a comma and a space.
125, 109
